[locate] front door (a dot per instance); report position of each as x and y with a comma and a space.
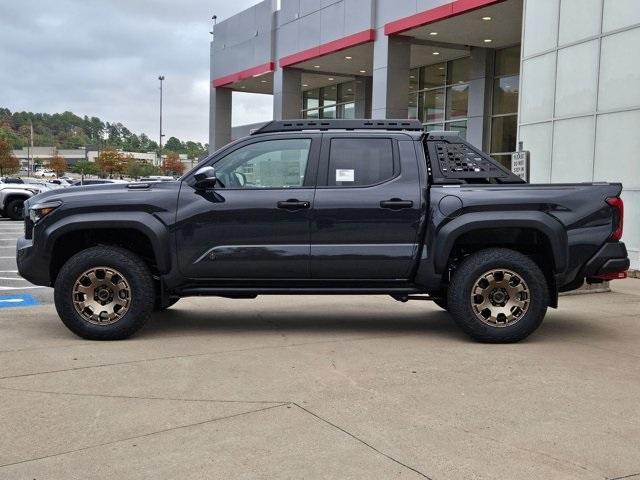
368, 208
255, 224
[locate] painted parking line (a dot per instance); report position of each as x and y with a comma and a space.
4, 289
22, 300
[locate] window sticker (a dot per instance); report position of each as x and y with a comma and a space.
345, 175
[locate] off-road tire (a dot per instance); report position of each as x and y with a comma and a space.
464, 279
137, 275
15, 209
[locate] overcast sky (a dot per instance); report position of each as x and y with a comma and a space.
103, 57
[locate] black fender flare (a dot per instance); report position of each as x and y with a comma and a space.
145, 223
555, 232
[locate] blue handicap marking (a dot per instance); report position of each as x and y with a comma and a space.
20, 300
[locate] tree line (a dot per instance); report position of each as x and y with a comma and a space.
67, 130
109, 163
113, 163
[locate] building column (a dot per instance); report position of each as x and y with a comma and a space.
287, 94
220, 118
391, 62
362, 96
480, 98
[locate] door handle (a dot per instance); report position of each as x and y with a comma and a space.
293, 204
396, 204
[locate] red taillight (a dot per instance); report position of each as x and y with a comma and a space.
618, 205
612, 276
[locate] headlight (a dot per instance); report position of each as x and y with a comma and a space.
41, 210
35, 191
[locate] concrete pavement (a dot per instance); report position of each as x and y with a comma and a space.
323, 387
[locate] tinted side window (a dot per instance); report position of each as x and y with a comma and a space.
357, 162
268, 164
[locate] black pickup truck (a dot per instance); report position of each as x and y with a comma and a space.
326, 207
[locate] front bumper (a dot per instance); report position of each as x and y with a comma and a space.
32, 265
611, 258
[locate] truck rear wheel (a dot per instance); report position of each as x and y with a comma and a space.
498, 296
104, 293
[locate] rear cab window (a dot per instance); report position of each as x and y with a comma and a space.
360, 161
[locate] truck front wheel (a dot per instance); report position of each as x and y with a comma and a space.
104, 293
498, 296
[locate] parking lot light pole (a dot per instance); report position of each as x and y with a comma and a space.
161, 78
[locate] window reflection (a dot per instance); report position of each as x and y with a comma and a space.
504, 120
332, 101
442, 94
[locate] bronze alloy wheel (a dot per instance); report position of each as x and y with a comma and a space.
101, 295
500, 297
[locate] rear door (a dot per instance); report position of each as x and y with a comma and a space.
367, 209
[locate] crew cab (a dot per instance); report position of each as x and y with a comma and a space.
327, 207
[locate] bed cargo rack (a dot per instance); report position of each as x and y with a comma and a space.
454, 160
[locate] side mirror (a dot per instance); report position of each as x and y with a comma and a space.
205, 178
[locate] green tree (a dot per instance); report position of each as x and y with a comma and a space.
149, 169
174, 145
194, 150
68, 130
85, 167
140, 168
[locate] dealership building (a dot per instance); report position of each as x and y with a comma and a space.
560, 76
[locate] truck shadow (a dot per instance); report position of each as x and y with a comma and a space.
437, 323
185, 321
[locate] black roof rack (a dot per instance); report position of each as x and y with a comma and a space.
299, 125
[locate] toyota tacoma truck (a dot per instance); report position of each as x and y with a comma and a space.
357, 207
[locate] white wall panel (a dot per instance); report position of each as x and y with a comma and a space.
577, 79
537, 139
572, 159
620, 14
618, 148
620, 70
538, 85
579, 19
540, 26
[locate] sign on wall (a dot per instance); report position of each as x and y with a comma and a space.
520, 164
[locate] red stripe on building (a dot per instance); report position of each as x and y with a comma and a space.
244, 74
330, 47
436, 14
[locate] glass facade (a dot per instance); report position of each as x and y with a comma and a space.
333, 101
504, 113
439, 95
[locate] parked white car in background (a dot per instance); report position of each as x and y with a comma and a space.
44, 174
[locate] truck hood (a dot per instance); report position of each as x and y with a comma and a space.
103, 196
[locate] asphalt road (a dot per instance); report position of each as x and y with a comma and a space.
12, 286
